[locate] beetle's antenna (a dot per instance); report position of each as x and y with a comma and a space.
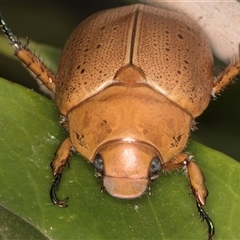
102, 189
28, 58
149, 190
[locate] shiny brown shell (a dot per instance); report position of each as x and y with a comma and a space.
167, 50
130, 82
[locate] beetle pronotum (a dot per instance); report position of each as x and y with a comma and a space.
128, 91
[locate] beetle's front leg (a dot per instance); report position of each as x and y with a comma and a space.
59, 162
197, 183
200, 192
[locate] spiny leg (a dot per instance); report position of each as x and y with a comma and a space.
54, 187
200, 192
59, 162
204, 215
225, 78
28, 58
197, 183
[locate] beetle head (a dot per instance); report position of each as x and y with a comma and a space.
127, 168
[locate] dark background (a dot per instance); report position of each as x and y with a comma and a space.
51, 22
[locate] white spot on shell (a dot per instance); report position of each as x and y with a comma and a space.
129, 140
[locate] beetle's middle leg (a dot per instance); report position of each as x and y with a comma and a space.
197, 183
59, 162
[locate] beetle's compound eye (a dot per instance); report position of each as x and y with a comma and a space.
98, 165
155, 167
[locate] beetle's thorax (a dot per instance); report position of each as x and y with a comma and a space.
129, 112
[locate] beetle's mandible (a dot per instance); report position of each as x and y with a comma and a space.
130, 83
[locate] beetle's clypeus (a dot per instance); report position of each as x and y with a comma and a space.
130, 83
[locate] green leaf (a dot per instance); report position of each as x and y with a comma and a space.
29, 137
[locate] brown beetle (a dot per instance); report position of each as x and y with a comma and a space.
130, 83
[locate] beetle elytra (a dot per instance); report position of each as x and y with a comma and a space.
128, 91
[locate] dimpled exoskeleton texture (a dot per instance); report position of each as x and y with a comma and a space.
169, 52
93, 54
175, 57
